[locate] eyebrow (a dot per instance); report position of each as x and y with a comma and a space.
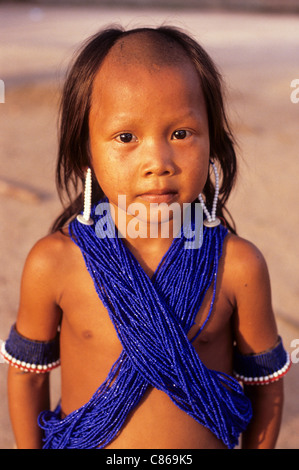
192, 113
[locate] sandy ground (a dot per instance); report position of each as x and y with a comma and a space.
258, 56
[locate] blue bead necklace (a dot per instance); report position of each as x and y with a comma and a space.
152, 318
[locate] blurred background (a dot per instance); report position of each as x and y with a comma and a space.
256, 46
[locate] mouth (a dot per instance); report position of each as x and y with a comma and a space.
159, 195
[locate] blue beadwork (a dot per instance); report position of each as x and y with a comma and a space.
252, 367
32, 352
152, 318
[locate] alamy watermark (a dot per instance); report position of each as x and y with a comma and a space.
162, 218
295, 352
295, 93
2, 92
1, 357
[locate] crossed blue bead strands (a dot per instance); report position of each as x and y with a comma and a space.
152, 318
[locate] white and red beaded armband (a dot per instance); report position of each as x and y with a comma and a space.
262, 368
29, 355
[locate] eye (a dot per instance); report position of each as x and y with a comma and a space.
180, 134
126, 138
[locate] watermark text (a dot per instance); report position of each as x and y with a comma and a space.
2, 92
295, 352
295, 93
1, 357
156, 220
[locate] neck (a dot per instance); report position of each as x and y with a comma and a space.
148, 252
147, 241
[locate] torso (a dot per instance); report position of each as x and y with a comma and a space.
89, 347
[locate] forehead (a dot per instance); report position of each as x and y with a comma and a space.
147, 48
144, 60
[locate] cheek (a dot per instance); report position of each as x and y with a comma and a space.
102, 169
112, 175
201, 159
198, 175
107, 176
204, 173
100, 159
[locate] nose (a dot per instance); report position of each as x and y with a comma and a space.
158, 159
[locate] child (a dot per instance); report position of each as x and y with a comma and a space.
151, 331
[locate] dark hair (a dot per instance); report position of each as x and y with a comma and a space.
74, 153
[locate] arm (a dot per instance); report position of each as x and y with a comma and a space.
267, 402
255, 331
38, 319
28, 396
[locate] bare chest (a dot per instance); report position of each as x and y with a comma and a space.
88, 322
90, 344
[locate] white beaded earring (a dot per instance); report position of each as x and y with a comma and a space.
211, 220
85, 217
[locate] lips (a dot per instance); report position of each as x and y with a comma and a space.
159, 195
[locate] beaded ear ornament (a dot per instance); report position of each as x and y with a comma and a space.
85, 217
211, 220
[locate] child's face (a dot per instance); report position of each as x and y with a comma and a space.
149, 135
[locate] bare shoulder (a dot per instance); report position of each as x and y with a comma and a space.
47, 251
49, 261
244, 260
248, 281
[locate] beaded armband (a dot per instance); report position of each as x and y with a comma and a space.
29, 355
263, 368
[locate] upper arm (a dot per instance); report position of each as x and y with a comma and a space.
39, 313
254, 322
